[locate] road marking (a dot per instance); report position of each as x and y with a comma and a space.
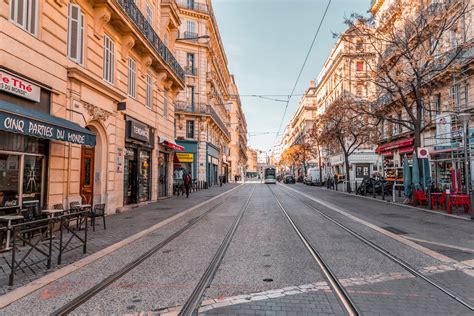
35, 285
440, 244
458, 265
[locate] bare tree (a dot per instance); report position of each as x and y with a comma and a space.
339, 126
417, 44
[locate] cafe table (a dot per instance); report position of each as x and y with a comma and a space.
9, 219
457, 200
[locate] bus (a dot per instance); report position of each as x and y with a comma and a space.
269, 175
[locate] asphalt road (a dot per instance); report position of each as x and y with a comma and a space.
267, 269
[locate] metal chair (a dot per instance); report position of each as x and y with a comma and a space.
97, 211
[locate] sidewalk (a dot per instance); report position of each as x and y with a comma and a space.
400, 199
119, 227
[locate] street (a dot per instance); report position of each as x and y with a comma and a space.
263, 266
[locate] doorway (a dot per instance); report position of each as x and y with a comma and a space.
163, 175
87, 175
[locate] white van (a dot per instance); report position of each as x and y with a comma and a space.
313, 177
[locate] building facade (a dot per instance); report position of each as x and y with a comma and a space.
203, 109
251, 163
86, 102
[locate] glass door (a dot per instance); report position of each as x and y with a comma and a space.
87, 175
9, 182
33, 167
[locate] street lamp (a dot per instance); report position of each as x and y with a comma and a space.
193, 38
465, 118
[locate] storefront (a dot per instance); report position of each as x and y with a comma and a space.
185, 161
137, 162
167, 149
392, 154
26, 129
212, 165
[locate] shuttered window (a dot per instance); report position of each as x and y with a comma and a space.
24, 13
109, 60
132, 78
149, 91
75, 46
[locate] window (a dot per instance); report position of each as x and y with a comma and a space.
360, 91
190, 26
360, 66
359, 44
132, 78
437, 103
24, 13
165, 103
189, 129
453, 39
400, 126
109, 59
75, 47
149, 90
190, 4
190, 95
149, 14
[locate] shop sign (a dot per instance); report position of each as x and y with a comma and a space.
19, 87
443, 129
185, 157
119, 160
139, 131
423, 152
17, 124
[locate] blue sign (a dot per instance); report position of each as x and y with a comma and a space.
26, 126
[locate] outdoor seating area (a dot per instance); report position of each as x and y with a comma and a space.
31, 237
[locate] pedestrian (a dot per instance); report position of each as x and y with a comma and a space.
220, 180
187, 184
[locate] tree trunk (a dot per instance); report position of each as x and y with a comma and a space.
320, 167
348, 177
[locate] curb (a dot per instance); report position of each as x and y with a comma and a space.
35, 285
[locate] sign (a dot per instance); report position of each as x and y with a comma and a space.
423, 152
185, 157
25, 126
443, 129
139, 131
19, 87
119, 160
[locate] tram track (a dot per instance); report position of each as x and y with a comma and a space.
400, 262
99, 287
192, 304
333, 281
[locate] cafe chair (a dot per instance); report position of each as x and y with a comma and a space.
97, 211
419, 197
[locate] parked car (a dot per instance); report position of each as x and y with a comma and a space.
289, 179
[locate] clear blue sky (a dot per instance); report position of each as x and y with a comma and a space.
266, 42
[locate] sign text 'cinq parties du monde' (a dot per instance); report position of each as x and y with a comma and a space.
26, 126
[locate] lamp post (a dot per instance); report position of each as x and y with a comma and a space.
464, 118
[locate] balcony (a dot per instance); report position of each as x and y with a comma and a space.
191, 71
189, 35
193, 5
202, 109
139, 20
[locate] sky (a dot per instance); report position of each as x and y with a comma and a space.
266, 42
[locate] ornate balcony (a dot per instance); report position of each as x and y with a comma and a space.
193, 5
202, 109
139, 20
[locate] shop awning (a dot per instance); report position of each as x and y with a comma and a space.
20, 120
394, 145
407, 150
170, 143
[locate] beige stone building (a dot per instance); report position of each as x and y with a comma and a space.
203, 110
449, 94
86, 101
251, 162
238, 130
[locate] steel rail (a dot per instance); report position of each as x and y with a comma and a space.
389, 255
332, 279
91, 292
192, 304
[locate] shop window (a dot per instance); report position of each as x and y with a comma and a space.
189, 129
9, 181
165, 103
132, 78
149, 90
75, 47
24, 13
109, 60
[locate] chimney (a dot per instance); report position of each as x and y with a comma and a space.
312, 84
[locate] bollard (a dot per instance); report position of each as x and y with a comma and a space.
430, 205
356, 187
373, 191
336, 186
365, 189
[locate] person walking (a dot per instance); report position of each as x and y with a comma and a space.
187, 184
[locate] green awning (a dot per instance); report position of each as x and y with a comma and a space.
20, 120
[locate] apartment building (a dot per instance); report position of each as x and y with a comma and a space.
238, 130
203, 109
86, 102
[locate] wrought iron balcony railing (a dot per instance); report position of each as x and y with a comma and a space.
193, 5
204, 109
132, 11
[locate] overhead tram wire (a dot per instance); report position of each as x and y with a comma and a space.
302, 67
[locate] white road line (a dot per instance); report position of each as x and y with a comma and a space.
461, 267
440, 244
31, 287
